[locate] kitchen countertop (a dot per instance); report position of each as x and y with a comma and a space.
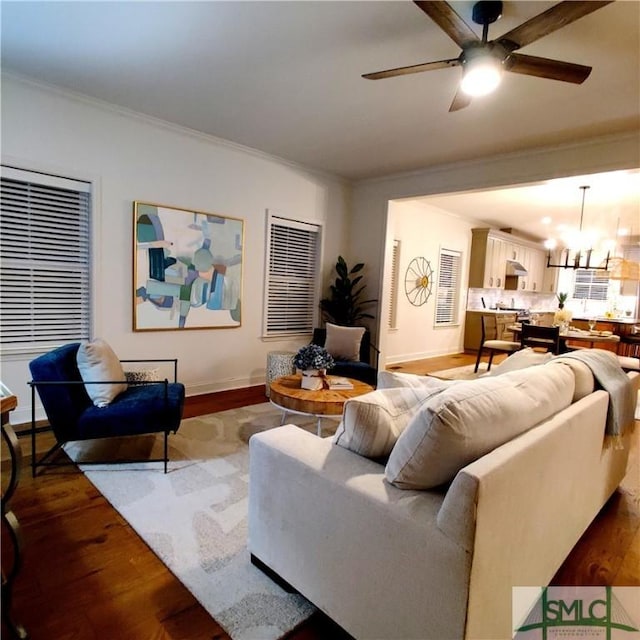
623, 320
619, 320
488, 311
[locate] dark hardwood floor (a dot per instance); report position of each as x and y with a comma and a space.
88, 576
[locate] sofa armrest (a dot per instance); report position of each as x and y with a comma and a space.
325, 520
536, 495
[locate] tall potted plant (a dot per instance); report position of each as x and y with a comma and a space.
344, 305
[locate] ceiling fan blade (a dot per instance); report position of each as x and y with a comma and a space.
449, 21
460, 101
558, 16
414, 68
547, 68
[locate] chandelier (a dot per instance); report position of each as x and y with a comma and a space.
578, 254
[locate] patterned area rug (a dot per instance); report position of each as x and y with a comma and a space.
195, 517
460, 373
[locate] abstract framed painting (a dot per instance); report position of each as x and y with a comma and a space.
187, 269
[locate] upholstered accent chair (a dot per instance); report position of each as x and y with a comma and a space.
492, 338
361, 365
139, 407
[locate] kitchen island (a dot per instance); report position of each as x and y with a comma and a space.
622, 327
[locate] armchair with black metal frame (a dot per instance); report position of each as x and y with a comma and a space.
152, 406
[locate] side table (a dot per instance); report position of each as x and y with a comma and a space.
279, 363
288, 396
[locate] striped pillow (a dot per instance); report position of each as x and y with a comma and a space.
372, 423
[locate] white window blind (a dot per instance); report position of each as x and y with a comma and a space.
392, 320
45, 260
591, 284
292, 276
448, 294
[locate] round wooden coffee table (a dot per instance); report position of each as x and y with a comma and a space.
287, 395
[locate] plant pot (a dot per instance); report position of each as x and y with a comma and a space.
313, 379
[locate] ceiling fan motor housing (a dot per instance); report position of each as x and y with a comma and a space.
486, 12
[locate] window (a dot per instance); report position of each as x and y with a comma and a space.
448, 295
392, 321
45, 260
591, 284
293, 252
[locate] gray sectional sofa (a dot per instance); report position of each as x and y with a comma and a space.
426, 537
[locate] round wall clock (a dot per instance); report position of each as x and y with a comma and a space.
417, 281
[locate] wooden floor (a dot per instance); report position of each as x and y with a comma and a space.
88, 576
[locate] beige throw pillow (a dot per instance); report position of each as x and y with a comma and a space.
371, 423
343, 343
469, 419
97, 362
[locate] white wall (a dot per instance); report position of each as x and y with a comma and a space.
371, 198
131, 157
422, 231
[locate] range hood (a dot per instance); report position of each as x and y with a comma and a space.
514, 268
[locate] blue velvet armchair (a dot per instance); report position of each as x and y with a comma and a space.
365, 369
145, 407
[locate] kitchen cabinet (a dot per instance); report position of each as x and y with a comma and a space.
535, 265
488, 260
490, 250
550, 280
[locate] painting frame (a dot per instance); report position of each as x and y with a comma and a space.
187, 269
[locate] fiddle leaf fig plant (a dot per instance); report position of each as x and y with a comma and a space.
344, 305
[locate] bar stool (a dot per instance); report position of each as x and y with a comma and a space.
491, 340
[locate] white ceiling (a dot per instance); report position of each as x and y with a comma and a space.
553, 208
285, 78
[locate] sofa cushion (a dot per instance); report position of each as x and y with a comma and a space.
394, 379
343, 343
148, 408
469, 419
584, 381
521, 359
97, 362
371, 423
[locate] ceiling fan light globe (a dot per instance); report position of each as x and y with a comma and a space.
481, 76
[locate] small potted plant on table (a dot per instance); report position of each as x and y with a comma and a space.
313, 361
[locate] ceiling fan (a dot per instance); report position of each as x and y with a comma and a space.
491, 57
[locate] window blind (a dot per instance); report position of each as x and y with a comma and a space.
448, 295
45, 260
591, 284
292, 277
395, 274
